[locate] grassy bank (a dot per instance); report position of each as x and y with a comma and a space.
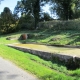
45, 70
51, 37
68, 37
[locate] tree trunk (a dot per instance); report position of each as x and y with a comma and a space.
36, 10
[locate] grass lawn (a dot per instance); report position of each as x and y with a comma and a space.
45, 70
55, 37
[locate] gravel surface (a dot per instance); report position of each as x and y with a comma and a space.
9, 71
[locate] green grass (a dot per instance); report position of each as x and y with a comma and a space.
45, 70
45, 37
60, 37
35, 65
49, 64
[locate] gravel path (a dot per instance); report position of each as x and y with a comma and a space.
8, 71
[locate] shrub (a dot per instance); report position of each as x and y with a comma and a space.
60, 25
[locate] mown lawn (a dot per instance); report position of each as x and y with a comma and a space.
45, 70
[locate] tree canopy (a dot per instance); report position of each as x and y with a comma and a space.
31, 13
67, 9
7, 19
32, 7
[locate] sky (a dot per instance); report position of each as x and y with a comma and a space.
8, 3
12, 3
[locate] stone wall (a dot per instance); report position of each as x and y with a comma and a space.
66, 59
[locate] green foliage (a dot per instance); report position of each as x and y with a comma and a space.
46, 70
49, 64
26, 22
60, 25
7, 21
66, 9
25, 62
76, 73
51, 37
46, 17
31, 7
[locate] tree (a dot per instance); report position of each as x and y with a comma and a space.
32, 7
66, 9
19, 8
7, 19
45, 17
26, 22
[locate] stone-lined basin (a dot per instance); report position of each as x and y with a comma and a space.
67, 55
60, 50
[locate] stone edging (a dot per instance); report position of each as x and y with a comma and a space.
68, 46
67, 59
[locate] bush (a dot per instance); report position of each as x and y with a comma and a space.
60, 25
